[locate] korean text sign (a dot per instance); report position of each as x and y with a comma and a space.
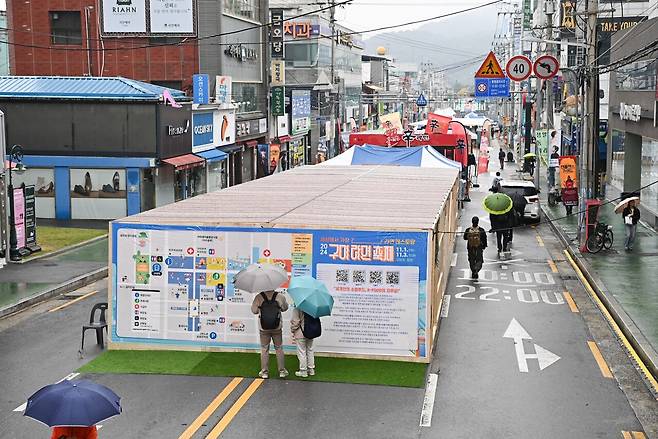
173, 284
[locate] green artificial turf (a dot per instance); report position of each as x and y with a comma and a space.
338, 370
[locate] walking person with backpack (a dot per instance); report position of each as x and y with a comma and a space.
501, 158
305, 328
269, 305
476, 242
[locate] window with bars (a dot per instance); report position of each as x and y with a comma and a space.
65, 28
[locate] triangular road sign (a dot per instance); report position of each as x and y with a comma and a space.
490, 68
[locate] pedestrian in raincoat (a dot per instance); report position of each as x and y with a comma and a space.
476, 242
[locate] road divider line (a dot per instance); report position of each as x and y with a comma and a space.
446, 306
570, 301
235, 408
605, 370
539, 240
212, 407
77, 299
69, 377
428, 401
613, 323
626, 435
638, 435
552, 265
453, 263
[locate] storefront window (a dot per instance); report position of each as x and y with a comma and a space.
190, 182
302, 54
649, 196
216, 175
617, 170
639, 75
243, 8
43, 180
98, 193
246, 96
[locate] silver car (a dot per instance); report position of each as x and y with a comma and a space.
527, 190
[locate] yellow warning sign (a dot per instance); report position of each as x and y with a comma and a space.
490, 68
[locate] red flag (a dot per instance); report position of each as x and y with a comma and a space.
437, 124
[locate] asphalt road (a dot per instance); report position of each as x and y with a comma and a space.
482, 391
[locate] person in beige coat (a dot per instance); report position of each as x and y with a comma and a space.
275, 335
304, 345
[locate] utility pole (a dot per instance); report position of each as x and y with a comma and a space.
334, 95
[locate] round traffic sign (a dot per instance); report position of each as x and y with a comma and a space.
546, 66
518, 68
482, 87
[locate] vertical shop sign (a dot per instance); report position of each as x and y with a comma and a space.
19, 216
276, 34
278, 72
30, 218
200, 87
223, 89
278, 101
527, 15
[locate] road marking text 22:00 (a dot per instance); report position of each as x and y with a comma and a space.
524, 295
520, 277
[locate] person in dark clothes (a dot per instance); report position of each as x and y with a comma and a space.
631, 216
501, 157
476, 242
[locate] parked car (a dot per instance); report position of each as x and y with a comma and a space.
527, 190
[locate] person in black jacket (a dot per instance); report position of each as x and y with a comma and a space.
476, 242
631, 216
501, 157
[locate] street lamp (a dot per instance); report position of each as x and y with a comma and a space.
15, 155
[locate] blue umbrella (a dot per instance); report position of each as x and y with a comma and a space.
80, 403
311, 296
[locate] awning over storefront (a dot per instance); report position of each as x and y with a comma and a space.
213, 155
252, 143
284, 139
185, 161
228, 149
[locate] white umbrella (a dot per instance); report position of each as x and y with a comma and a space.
257, 278
623, 203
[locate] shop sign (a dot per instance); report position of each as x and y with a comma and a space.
264, 158
278, 101
242, 129
202, 130
241, 52
611, 25
278, 72
630, 112
276, 34
282, 125
275, 153
171, 16
344, 38
200, 88
225, 120
19, 216
223, 89
301, 29
567, 17
177, 130
30, 217
527, 15
123, 16
301, 111
262, 126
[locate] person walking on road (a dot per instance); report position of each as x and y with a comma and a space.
631, 216
305, 328
476, 242
269, 305
501, 157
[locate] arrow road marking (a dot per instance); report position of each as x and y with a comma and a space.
543, 356
69, 377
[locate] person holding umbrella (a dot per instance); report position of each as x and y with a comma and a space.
499, 205
312, 301
75, 433
262, 280
631, 215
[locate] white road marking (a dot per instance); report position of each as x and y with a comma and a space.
454, 260
542, 355
428, 402
69, 377
446, 306
492, 282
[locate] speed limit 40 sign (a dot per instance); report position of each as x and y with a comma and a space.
519, 68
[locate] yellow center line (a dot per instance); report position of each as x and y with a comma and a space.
613, 323
626, 435
605, 370
569, 299
552, 265
77, 299
638, 435
540, 241
203, 417
235, 408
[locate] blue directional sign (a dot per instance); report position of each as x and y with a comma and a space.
421, 101
492, 87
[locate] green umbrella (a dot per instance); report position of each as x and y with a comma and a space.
311, 296
497, 204
530, 155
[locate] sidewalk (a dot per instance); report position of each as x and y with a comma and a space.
21, 281
627, 278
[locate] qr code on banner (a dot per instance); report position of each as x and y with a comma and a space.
359, 276
393, 277
376, 277
342, 275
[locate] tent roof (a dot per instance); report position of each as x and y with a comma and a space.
415, 156
355, 197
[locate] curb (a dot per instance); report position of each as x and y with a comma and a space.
61, 250
62, 288
635, 337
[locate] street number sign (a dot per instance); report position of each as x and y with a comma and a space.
518, 68
546, 66
490, 68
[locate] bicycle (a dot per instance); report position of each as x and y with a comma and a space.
602, 237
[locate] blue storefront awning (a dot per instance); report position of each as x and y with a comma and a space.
212, 155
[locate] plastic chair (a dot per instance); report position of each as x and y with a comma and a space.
97, 325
